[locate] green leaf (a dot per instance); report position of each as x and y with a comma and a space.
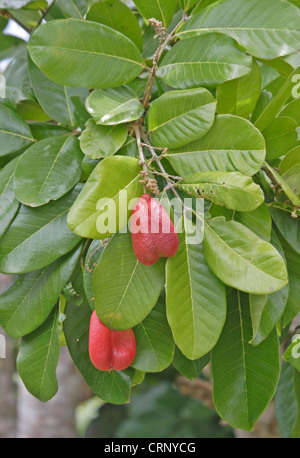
293, 265
154, 341
292, 353
112, 180
92, 258
162, 10
15, 134
38, 358
284, 185
244, 377
280, 136
196, 302
258, 221
288, 228
17, 81
179, 117
187, 367
292, 110
266, 29
232, 144
241, 260
274, 107
113, 387
208, 60
38, 236
10, 46
231, 189
118, 16
287, 402
71, 8
55, 99
239, 96
289, 169
101, 141
17, 4
48, 170
125, 290
9, 205
266, 312
29, 299
114, 106
110, 61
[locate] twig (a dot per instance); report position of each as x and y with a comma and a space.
6, 14
45, 12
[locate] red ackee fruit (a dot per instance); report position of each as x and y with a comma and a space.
110, 350
153, 233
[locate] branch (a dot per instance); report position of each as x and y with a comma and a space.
45, 12
6, 14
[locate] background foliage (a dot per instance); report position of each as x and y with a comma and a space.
207, 102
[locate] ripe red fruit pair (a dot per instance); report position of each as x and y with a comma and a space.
153, 236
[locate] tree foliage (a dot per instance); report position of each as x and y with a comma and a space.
192, 99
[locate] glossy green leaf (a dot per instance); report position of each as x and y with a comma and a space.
208, 60
187, 367
114, 106
17, 81
73, 8
113, 387
232, 144
38, 358
9, 205
241, 260
118, 16
101, 141
55, 99
258, 221
244, 377
92, 258
289, 169
154, 341
196, 302
293, 265
125, 290
48, 170
287, 402
10, 46
14, 132
38, 236
231, 189
273, 108
179, 117
292, 110
280, 136
113, 179
29, 299
288, 228
292, 353
266, 312
295, 199
266, 29
239, 96
42, 130
162, 10
108, 62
